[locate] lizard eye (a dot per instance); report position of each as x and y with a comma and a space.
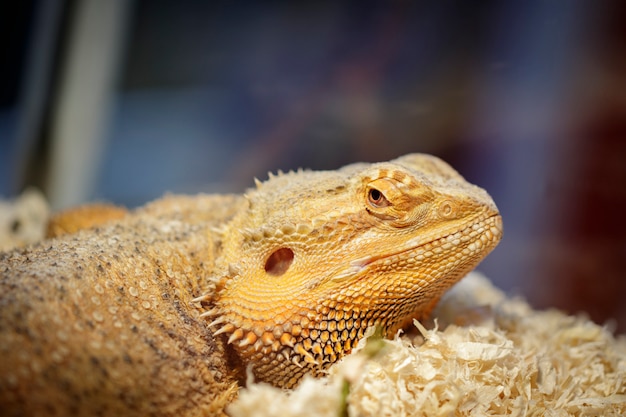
376, 198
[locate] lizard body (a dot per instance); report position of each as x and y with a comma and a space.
290, 275
99, 322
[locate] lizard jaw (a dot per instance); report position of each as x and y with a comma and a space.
454, 236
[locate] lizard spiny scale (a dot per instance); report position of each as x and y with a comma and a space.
229, 328
237, 334
203, 297
379, 250
212, 313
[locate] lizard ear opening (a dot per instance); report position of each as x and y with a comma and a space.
279, 261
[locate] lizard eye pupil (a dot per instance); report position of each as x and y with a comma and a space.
376, 198
375, 195
279, 261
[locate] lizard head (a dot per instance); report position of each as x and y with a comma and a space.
318, 257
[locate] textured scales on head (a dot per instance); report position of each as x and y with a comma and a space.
318, 257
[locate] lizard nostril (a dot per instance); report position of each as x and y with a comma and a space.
279, 261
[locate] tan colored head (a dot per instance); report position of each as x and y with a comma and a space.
318, 257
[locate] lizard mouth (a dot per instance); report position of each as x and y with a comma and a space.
479, 236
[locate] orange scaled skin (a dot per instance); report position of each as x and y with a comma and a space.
318, 257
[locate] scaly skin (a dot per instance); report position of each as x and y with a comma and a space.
100, 322
318, 257
104, 320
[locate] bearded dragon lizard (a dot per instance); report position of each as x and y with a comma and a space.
111, 319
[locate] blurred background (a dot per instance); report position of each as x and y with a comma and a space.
123, 101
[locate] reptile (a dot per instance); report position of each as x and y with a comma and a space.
165, 310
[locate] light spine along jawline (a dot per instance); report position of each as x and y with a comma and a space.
318, 257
